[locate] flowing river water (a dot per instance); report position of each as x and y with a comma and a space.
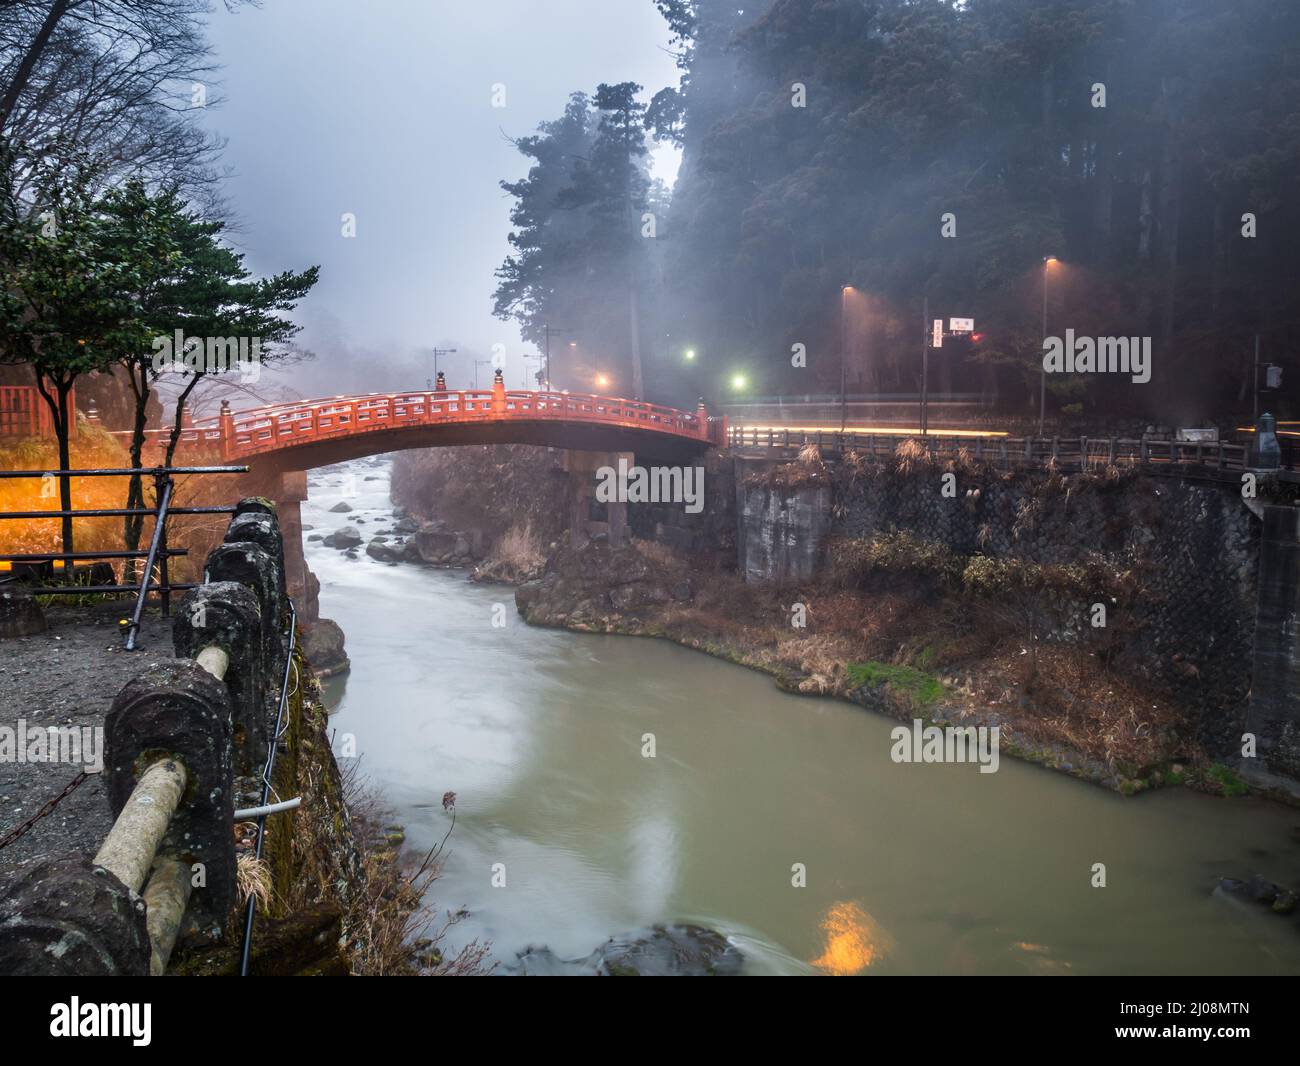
910, 868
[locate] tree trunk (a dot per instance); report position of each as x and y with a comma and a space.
24, 72
1102, 200
638, 387
176, 423
60, 415
133, 525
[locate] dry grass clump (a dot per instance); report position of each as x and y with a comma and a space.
910, 456
517, 555
393, 929
253, 880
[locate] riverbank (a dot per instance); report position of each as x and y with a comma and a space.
982, 611
904, 655
605, 784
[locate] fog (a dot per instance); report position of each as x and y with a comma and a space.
383, 109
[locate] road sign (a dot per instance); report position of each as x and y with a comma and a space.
937, 340
961, 325
1272, 377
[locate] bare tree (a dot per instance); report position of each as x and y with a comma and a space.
118, 80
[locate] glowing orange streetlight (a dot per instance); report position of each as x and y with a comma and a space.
601, 381
1048, 260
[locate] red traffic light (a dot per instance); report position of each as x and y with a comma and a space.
975, 338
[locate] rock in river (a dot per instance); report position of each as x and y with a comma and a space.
385, 553
347, 537
673, 950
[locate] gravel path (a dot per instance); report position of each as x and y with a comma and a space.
66, 676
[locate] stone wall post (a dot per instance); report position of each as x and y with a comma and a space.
1274, 715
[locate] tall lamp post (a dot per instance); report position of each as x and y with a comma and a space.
547, 333
440, 351
844, 353
1048, 260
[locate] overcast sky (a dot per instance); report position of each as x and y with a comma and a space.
383, 108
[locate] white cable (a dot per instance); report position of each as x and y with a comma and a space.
270, 808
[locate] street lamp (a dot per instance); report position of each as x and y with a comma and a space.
690, 355
738, 381
437, 352
1048, 260
844, 353
601, 381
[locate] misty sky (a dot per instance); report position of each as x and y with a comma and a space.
383, 108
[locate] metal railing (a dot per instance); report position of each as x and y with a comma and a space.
250, 911
42, 564
1066, 453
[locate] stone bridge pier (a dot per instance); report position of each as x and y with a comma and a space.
582, 468
298, 581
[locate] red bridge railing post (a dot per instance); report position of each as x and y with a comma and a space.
227, 426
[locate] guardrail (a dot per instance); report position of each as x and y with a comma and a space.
1066, 453
176, 739
42, 563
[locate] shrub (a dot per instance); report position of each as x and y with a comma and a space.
850, 559
921, 689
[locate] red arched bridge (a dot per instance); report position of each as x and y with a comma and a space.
306, 434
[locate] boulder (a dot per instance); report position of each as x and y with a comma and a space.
385, 553
406, 525
20, 615
344, 538
664, 951
323, 645
437, 545
342, 507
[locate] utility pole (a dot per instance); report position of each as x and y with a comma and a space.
1254, 387
547, 333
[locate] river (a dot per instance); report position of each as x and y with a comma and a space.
910, 868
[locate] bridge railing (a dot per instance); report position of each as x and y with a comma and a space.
176, 740
1067, 453
239, 434
286, 425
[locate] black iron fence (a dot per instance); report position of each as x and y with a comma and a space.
36, 570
